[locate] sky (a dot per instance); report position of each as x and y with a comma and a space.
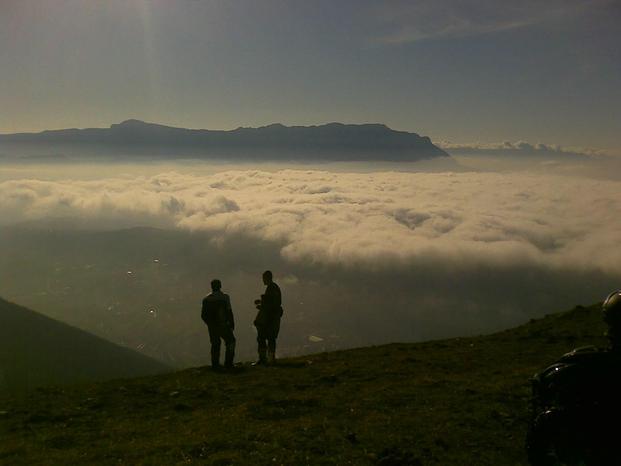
478, 71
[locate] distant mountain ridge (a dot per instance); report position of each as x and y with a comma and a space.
332, 141
37, 351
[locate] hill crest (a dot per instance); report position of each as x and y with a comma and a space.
460, 401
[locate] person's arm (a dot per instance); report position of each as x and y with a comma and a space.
204, 310
229, 313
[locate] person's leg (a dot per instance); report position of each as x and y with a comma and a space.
214, 337
262, 345
229, 341
271, 350
271, 341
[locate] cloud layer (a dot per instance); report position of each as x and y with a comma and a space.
522, 148
370, 220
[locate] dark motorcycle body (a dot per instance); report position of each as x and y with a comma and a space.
576, 409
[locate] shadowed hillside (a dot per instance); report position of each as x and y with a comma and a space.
36, 350
462, 401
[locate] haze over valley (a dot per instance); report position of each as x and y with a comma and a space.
366, 253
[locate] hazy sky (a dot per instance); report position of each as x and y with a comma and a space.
479, 70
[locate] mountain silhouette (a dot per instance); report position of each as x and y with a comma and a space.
36, 351
333, 141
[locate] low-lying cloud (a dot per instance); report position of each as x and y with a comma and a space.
370, 220
362, 258
523, 148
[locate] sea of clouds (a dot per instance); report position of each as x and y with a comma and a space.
364, 220
363, 257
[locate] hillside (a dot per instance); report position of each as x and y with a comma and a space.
333, 141
461, 401
36, 350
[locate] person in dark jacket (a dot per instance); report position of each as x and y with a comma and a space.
218, 315
267, 321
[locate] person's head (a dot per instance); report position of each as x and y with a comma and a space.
612, 316
216, 285
267, 277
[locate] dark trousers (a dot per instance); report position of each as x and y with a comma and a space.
219, 332
266, 337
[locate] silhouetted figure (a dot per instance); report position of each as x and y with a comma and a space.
267, 321
218, 315
577, 402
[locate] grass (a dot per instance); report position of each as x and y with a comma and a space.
462, 401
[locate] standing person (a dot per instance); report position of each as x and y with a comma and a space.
218, 315
267, 321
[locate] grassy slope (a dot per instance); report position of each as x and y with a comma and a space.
459, 401
36, 350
